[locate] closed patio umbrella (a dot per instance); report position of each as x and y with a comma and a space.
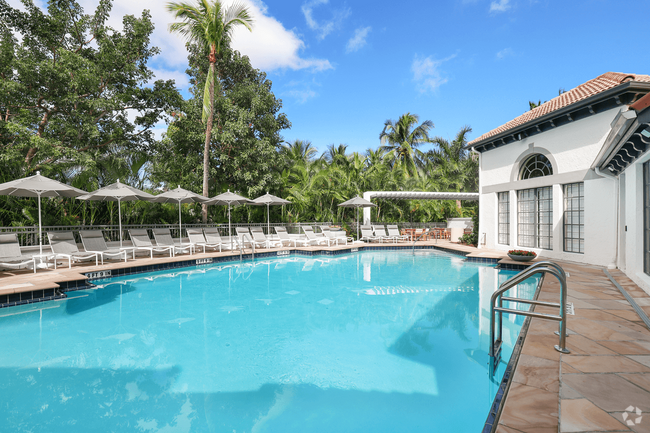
357, 202
118, 192
179, 195
39, 186
229, 198
268, 200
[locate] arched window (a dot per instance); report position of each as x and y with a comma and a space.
535, 166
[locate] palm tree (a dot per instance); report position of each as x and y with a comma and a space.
300, 151
400, 140
209, 25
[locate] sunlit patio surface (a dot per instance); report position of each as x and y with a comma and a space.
590, 389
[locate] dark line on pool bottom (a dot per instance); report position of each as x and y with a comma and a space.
492, 421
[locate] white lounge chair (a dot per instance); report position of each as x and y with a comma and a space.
368, 235
245, 237
284, 237
313, 239
10, 254
213, 237
380, 232
393, 231
93, 242
338, 235
164, 239
197, 238
63, 245
141, 241
260, 238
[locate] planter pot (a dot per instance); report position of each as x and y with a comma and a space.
521, 258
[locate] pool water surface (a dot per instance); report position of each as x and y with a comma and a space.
373, 341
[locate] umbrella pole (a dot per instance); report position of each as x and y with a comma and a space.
119, 211
180, 227
229, 228
40, 234
357, 222
268, 221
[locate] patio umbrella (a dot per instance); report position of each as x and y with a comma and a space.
229, 198
357, 202
39, 186
179, 195
118, 192
269, 199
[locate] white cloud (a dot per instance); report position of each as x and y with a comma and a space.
269, 46
500, 6
504, 53
326, 27
301, 91
427, 74
302, 96
358, 40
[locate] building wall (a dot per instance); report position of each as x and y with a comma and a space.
571, 148
631, 241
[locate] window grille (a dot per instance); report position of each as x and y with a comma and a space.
574, 217
504, 217
535, 218
535, 166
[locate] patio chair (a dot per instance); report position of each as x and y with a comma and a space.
212, 237
313, 239
141, 241
164, 238
260, 238
196, 238
244, 237
93, 242
10, 254
380, 232
338, 235
284, 237
393, 231
368, 235
63, 245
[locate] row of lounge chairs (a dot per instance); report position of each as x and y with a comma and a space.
64, 246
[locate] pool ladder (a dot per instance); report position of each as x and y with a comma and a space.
496, 306
241, 246
424, 233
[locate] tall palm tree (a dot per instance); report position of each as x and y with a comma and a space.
210, 25
300, 151
400, 140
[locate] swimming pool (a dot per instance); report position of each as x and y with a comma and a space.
370, 341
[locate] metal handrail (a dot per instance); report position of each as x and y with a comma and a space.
496, 305
425, 232
241, 246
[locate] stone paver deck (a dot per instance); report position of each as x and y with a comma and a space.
589, 390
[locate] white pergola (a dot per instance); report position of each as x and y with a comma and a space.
415, 195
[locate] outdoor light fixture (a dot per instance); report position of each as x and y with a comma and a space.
646, 132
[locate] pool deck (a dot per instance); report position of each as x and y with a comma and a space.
607, 371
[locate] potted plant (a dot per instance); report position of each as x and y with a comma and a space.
521, 255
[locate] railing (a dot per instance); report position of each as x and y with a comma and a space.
496, 306
424, 233
242, 246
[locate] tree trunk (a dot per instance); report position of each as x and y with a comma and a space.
206, 148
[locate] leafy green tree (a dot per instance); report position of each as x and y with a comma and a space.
210, 25
244, 152
400, 140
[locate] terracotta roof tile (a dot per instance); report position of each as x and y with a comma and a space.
598, 85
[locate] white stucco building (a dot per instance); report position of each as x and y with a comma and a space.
570, 179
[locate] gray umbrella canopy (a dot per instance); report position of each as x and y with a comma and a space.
357, 202
229, 198
268, 200
118, 192
179, 195
39, 186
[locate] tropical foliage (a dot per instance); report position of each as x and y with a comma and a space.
78, 104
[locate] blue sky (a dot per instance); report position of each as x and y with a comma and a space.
342, 68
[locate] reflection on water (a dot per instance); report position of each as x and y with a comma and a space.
261, 346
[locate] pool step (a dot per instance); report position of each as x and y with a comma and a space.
496, 359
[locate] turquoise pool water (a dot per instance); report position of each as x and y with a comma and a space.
366, 342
